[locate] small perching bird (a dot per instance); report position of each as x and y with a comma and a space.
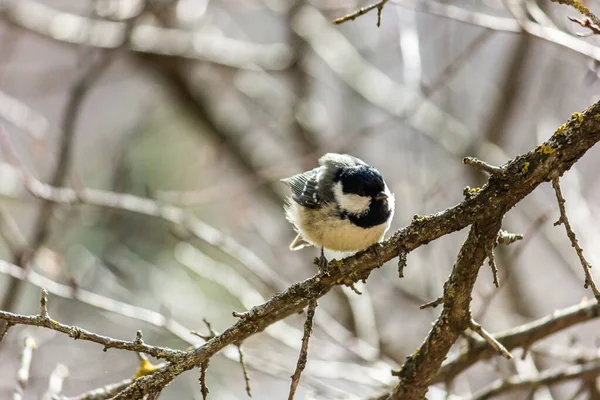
344, 205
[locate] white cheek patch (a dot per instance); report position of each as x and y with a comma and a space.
352, 203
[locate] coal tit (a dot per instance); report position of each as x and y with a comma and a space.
344, 205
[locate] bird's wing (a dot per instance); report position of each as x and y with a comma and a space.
304, 188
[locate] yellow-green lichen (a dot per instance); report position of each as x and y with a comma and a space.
562, 128
146, 367
578, 116
474, 190
544, 149
525, 167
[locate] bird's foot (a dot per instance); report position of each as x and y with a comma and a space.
323, 263
377, 247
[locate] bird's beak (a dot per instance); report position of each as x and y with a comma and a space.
381, 196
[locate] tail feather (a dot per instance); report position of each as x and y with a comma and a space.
299, 242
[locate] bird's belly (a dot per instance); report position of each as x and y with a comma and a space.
345, 236
333, 233
323, 228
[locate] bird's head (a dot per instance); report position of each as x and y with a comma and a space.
357, 188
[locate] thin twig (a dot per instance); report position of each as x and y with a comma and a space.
492, 264
586, 23
312, 305
202, 380
102, 393
44, 320
545, 378
55, 382
353, 287
4, 330
211, 332
362, 11
496, 345
483, 166
37, 17
402, 256
432, 304
581, 8
564, 219
25, 366
244, 370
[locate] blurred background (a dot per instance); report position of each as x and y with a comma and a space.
172, 122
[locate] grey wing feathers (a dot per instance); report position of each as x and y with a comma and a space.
304, 188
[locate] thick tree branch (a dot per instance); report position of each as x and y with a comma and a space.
522, 336
417, 372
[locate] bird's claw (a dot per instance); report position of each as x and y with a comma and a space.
323, 263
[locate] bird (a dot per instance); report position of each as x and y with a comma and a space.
343, 205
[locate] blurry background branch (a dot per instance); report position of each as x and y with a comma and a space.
204, 105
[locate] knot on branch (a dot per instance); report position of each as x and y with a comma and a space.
75, 333
139, 338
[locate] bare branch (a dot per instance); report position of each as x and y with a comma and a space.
549, 34
483, 166
581, 8
202, 380
362, 11
490, 339
308, 327
432, 304
23, 372
522, 336
244, 370
545, 378
55, 382
102, 393
402, 256
44, 320
145, 38
564, 219
4, 330
586, 23
492, 263
420, 367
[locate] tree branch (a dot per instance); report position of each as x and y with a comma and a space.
564, 219
44, 320
23, 372
548, 377
362, 11
522, 336
308, 327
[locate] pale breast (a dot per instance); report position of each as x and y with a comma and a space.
323, 228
